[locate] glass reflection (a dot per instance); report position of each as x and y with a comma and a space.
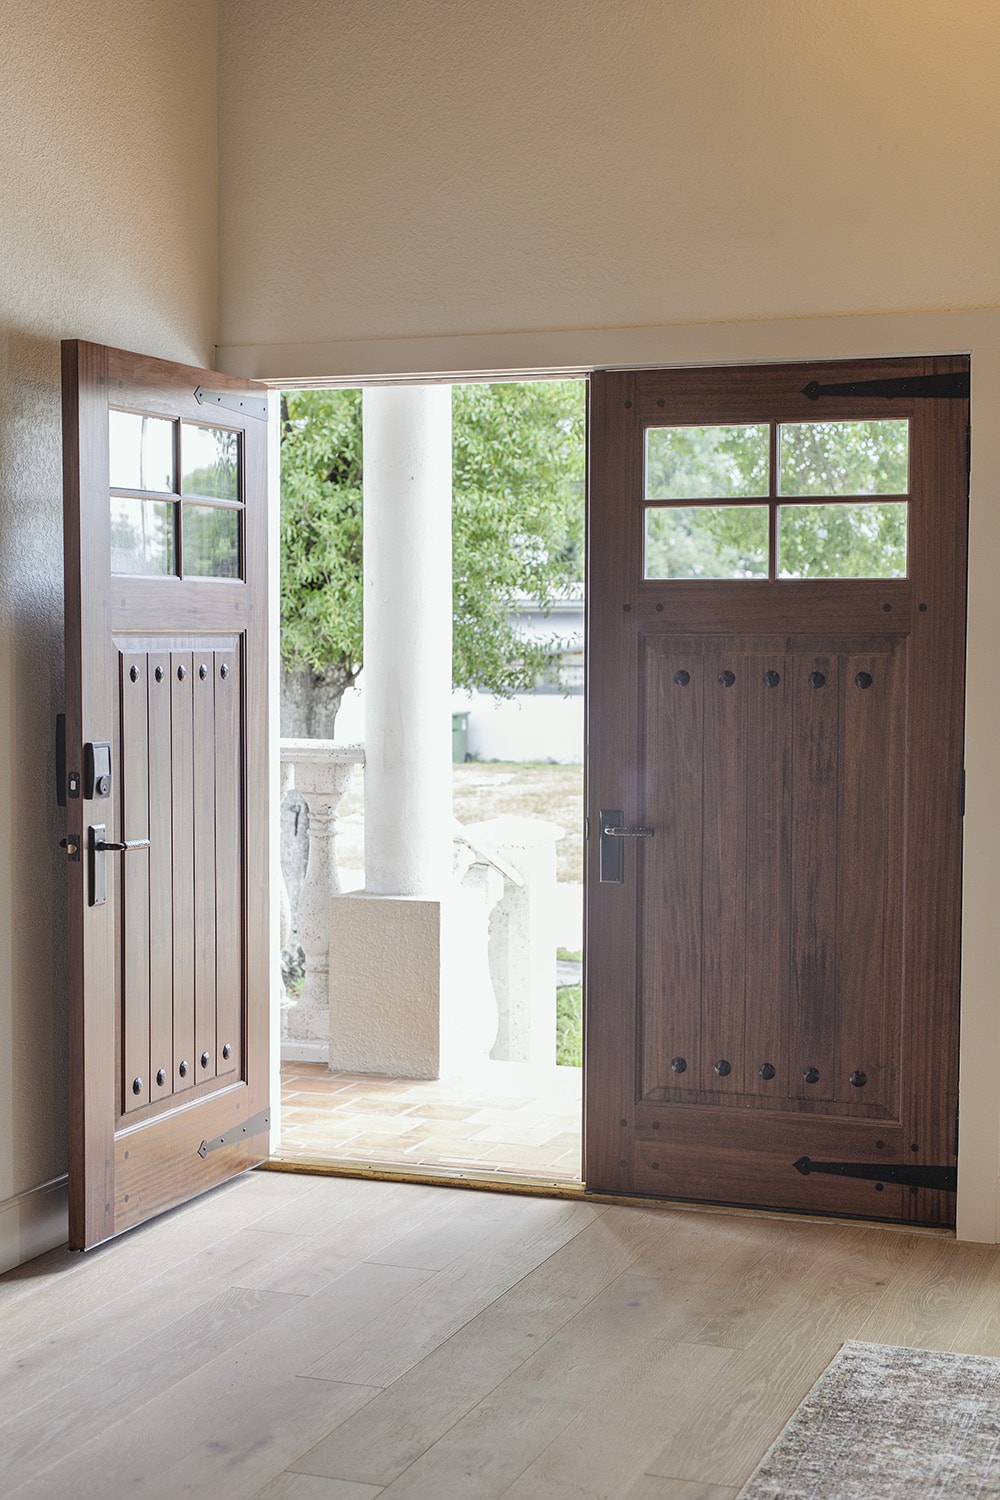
721, 541
141, 451
707, 463
142, 536
211, 542
844, 458
209, 462
842, 541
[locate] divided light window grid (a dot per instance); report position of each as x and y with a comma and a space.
176, 498
792, 500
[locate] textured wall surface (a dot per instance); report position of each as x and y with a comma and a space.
108, 164
457, 167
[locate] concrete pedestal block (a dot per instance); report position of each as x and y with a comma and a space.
410, 989
385, 984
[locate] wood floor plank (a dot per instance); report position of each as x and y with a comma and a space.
409, 1330
296, 1338
202, 1402
930, 1301
759, 1389
603, 1451
141, 1311
654, 1487
393, 1431
64, 1421
308, 1487
482, 1455
254, 1448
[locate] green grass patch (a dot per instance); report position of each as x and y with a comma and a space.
569, 1025
567, 957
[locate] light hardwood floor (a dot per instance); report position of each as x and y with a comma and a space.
307, 1338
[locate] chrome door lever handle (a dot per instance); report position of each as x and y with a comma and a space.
612, 851
103, 847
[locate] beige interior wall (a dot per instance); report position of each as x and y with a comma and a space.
449, 167
108, 159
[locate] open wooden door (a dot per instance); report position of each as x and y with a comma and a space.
776, 667
164, 775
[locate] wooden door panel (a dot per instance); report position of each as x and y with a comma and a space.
169, 977
134, 874
775, 981
182, 857
162, 1064
228, 862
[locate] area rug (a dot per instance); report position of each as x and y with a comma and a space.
883, 1423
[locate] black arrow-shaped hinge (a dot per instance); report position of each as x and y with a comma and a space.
941, 1179
926, 387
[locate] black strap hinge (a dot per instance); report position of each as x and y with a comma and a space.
926, 387
939, 1179
253, 1126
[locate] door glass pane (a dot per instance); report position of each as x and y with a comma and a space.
211, 542
142, 536
844, 458
706, 463
141, 451
842, 541
706, 541
209, 462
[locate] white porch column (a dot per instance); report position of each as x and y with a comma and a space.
389, 942
408, 610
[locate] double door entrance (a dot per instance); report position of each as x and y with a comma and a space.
776, 633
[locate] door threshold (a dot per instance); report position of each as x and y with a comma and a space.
540, 1187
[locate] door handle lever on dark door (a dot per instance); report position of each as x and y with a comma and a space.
97, 847
612, 854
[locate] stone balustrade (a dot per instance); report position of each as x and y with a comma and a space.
320, 771
498, 996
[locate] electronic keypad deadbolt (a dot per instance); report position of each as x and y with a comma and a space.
97, 769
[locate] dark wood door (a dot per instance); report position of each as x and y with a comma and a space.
165, 477
776, 654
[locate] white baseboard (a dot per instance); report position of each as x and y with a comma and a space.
311, 1052
33, 1222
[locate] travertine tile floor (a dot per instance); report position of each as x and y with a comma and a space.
502, 1120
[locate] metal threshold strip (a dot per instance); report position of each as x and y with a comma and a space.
540, 1187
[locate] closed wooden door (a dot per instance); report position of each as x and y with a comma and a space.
776, 644
165, 783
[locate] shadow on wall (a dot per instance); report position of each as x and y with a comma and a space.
32, 888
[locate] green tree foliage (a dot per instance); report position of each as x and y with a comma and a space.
321, 580
517, 527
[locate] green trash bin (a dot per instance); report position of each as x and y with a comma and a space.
459, 738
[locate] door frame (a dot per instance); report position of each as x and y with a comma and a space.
578, 353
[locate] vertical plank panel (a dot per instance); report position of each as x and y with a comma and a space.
132, 878
869, 995
672, 869
723, 882
767, 865
229, 773
203, 793
161, 896
815, 823
182, 784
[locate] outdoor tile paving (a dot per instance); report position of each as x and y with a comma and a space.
504, 1120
